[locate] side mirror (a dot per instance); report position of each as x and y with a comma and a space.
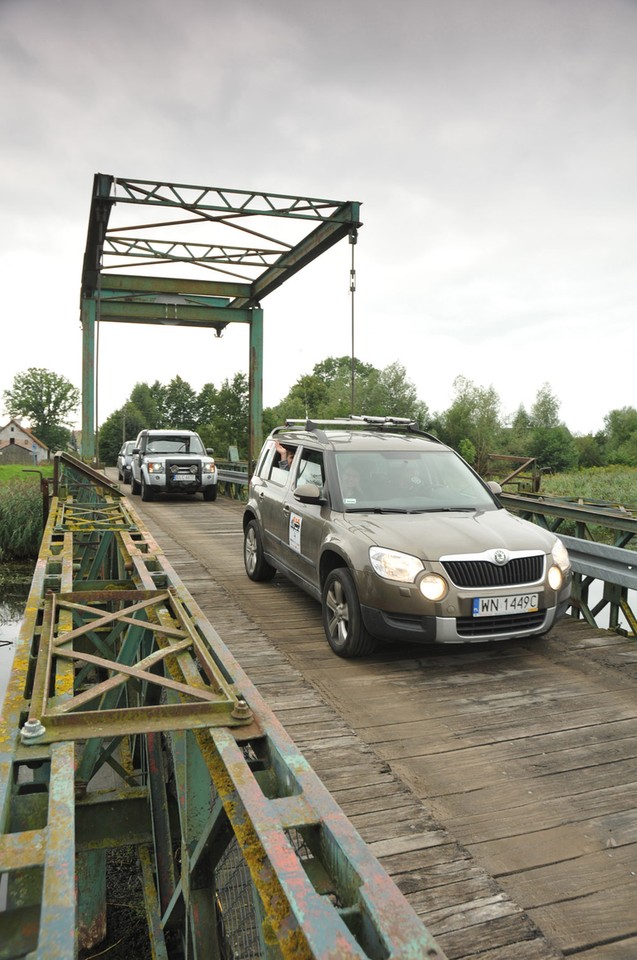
136, 450
494, 487
309, 493
209, 451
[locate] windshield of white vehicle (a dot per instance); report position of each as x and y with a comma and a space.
175, 444
413, 480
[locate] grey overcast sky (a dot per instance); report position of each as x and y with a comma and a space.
492, 144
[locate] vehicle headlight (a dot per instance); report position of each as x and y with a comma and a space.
560, 555
209, 467
393, 565
155, 466
555, 578
433, 587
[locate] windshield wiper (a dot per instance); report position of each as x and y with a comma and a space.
376, 510
444, 510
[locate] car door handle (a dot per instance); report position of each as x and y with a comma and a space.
286, 508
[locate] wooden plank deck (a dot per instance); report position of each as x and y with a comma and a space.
496, 785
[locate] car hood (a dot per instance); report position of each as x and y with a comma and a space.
434, 535
176, 457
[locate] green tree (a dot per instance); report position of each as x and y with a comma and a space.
46, 399
516, 437
308, 397
230, 426
474, 416
326, 393
550, 440
545, 410
590, 451
122, 424
207, 405
554, 448
620, 429
337, 368
179, 405
390, 393
149, 401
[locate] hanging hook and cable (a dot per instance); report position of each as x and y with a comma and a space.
353, 237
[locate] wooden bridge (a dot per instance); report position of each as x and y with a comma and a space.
493, 788
498, 786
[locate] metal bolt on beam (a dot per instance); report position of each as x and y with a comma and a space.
31, 730
241, 710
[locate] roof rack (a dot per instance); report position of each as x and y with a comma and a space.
379, 423
357, 421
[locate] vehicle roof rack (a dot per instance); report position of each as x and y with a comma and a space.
357, 421
370, 422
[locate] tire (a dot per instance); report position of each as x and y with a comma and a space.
210, 493
135, 487
146, 491
257, 567
342, 620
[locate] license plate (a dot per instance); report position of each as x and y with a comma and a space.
500, 606
183, 478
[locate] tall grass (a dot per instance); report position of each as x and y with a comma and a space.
21, 520
614, 485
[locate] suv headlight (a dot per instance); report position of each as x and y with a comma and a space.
155, 466
393, 565
560, 565
560, 555
209, 467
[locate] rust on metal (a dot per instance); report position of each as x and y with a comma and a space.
125, 705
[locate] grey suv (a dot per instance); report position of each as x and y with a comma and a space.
124, 458
398, 538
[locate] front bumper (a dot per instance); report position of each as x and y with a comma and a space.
447, 630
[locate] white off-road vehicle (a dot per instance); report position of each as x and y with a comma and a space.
172, 461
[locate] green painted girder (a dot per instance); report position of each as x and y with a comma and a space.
345, 223
206, 199
126, 285
214, 206
170, 312
180, 251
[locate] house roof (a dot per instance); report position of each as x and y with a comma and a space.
24, 430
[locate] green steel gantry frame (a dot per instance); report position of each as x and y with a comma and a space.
238, 277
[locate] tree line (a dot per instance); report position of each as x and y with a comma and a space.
473, 423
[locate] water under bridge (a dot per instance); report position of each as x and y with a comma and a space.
188, 771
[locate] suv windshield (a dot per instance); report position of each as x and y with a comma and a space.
172, 444
410, 480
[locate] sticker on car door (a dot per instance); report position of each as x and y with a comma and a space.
295, 532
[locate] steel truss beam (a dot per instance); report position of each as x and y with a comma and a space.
128, 723
238, 276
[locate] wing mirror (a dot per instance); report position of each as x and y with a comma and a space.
309, 493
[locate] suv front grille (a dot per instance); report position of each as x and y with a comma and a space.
491, 626
483, 573
181, 473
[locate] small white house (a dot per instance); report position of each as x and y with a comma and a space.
19, 445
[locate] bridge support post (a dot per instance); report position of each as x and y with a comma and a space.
88, 312
255, 434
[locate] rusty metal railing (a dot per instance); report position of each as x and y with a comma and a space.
128, 727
